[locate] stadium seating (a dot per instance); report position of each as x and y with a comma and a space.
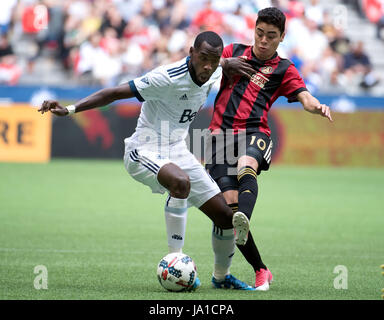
51, 47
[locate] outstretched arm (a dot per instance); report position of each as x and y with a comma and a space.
95, 100
312, 105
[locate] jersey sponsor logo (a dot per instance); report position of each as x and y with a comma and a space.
183, 97
259, 80
187, 115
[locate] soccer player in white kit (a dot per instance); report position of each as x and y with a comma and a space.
157, 155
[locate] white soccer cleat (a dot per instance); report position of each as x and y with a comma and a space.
241, 225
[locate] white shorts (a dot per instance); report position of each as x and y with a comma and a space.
144, 165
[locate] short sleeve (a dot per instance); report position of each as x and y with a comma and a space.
228, 51
292, 84
152, 86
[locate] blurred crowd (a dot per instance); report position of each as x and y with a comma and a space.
101, 42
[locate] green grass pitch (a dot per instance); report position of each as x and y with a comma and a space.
100, 234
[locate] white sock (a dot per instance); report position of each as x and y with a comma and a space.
175, 219
223, 244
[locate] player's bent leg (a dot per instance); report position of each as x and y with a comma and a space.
241, 226
247, 195
175, 212
229, 186
218, 211
231, 196
223, 243
223, 246
240, 221
248, 187
222, 234
173, 178
177, 182
249, 249
161, 175
247, 161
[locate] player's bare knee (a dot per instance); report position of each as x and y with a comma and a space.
247, 161
180, 187
231, 196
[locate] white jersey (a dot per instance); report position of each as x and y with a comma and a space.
171, 101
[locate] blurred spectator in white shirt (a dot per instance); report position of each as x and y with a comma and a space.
315, 12
88, 53
6, 10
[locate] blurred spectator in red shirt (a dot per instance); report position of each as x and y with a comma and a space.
374, 11
208, 19
34, 18
10, 72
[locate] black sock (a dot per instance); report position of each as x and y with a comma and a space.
234, 207
249, 250
248, 190
251, 254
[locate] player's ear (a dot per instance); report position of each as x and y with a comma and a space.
282, 37
191, 50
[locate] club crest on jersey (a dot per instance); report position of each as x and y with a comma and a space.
259, 79
266, 70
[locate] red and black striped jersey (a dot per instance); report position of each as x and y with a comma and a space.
246, 104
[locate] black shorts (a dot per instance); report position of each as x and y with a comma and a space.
224, 151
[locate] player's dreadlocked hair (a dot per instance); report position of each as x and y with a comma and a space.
212, 38
272, 16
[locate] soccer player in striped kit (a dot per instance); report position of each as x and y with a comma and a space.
241, 109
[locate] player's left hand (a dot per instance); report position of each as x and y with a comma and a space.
324, 111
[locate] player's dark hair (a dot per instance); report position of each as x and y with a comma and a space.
272, 16
212, 38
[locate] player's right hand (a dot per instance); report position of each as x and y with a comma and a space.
54, 107
237, 66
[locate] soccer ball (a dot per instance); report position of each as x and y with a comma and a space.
177, 272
